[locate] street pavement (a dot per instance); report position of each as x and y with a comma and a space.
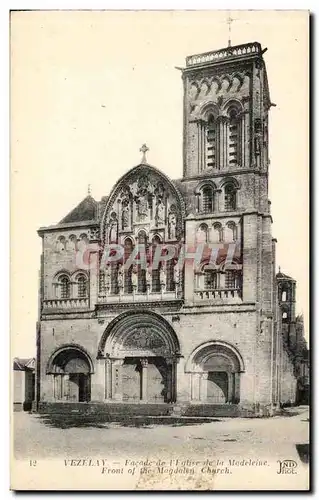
264, 443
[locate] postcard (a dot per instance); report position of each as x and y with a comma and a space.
159, 319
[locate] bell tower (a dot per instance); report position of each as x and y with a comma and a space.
286, 297
226, 103
225, 164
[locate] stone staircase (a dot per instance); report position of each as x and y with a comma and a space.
110, 410
123, 411
213, 410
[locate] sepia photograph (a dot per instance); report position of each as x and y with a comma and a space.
159, 171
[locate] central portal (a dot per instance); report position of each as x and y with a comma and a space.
145, 380
141, 351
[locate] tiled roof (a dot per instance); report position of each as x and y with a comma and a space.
84, 211
283, 276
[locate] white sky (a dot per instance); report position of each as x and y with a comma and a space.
88, 88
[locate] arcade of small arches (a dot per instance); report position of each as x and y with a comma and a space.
219, 277
71, 243
218, 232
117, 279
139, 354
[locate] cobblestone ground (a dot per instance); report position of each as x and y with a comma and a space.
273, 439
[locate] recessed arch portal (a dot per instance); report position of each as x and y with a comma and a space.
141, 349
71, 368
215, 369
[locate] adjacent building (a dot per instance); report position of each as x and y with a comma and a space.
23, 383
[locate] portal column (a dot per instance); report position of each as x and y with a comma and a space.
169, 388
230, 393
174, 380
236, 396
144, 363
117, 385
108, 379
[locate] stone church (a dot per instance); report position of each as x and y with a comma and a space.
205, 331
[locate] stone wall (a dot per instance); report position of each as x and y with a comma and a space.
239, 329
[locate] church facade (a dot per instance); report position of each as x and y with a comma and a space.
165, 291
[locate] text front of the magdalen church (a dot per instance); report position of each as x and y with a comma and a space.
163, 297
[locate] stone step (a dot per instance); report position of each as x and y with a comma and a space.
179, 409
128, 410
108, 409
213, 410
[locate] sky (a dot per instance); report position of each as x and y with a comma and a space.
89, 88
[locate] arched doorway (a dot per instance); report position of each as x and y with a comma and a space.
71, 370
215, 369
141, 351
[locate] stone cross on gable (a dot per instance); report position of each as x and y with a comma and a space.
144, 150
